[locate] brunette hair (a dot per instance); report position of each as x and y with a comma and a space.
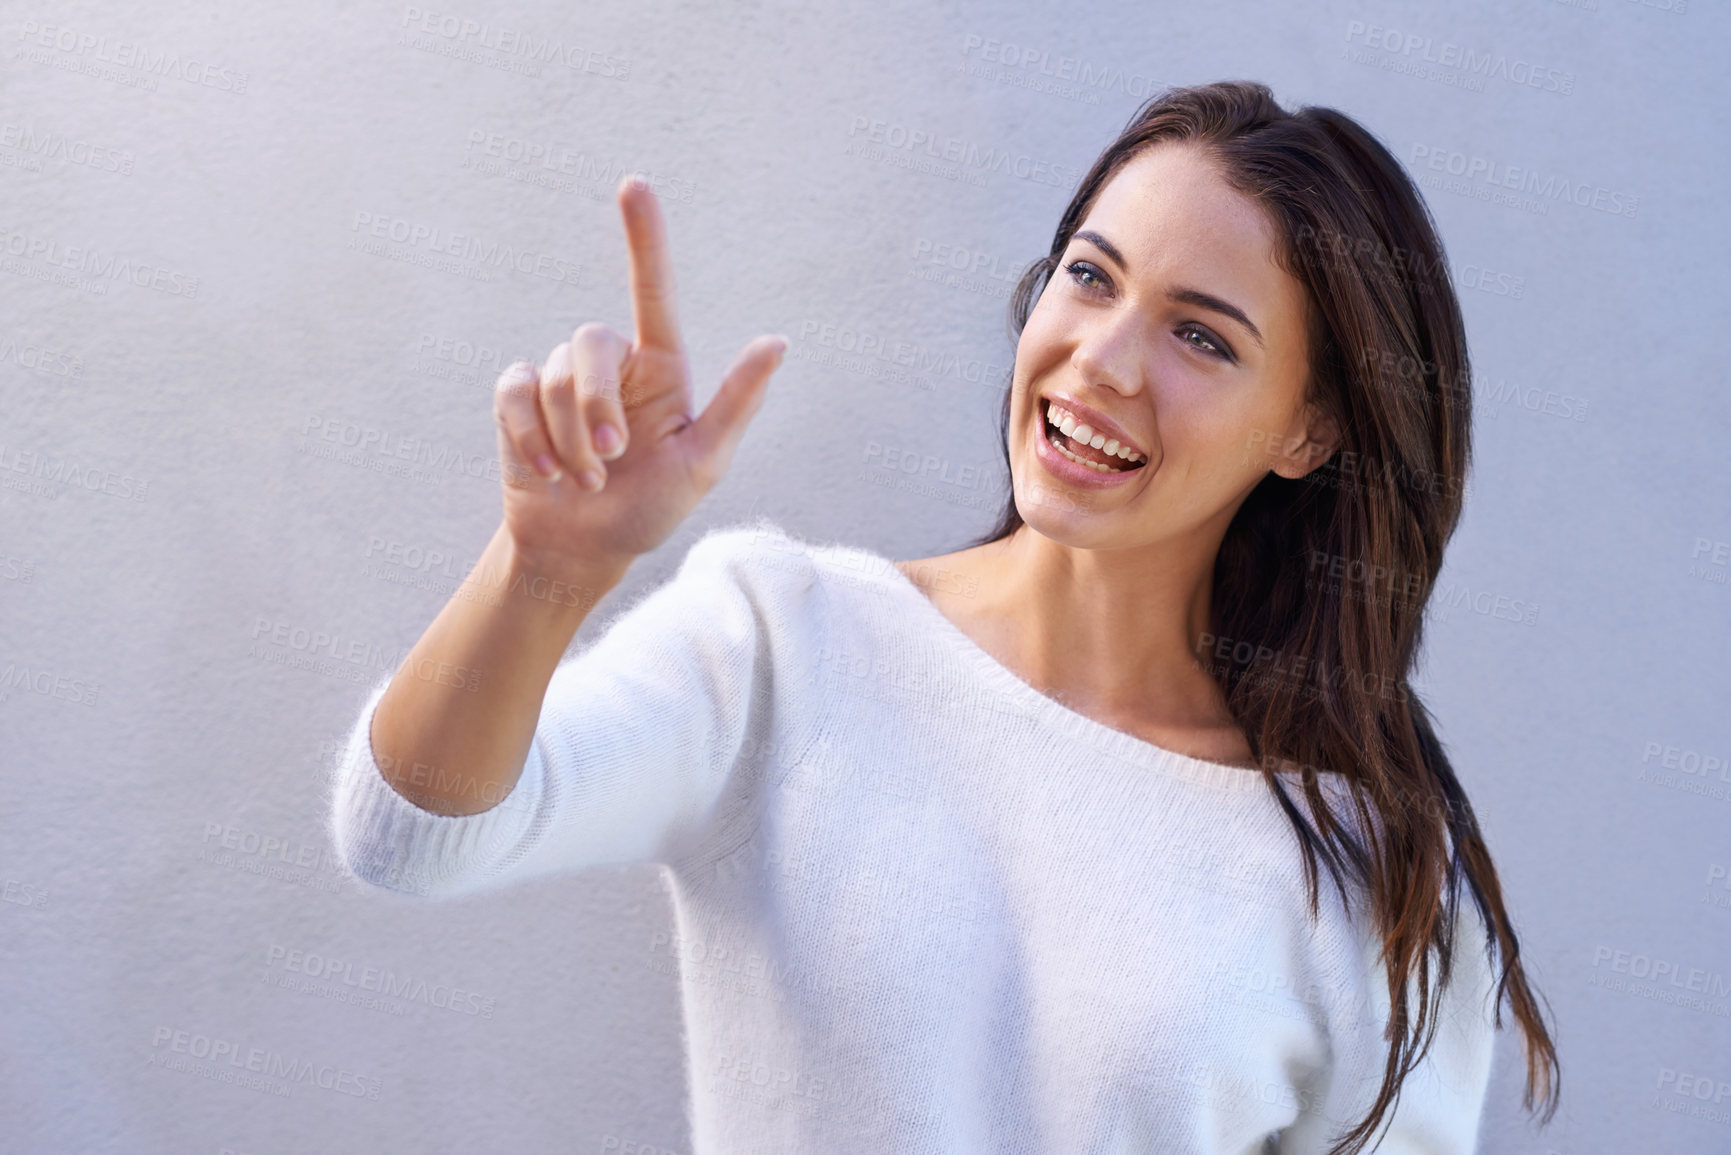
1388, 361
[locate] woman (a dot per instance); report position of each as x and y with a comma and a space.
1001, 850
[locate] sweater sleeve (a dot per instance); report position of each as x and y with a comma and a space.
630, 754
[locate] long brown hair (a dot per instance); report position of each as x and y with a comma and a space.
1388, 360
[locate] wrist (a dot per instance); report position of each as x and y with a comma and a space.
555, 579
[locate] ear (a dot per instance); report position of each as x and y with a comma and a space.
1314, 444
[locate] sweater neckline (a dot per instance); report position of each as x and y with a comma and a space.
1054, 714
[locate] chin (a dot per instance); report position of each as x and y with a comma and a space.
1062, 513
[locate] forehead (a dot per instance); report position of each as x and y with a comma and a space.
1171, 213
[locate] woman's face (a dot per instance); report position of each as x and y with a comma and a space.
1169, 329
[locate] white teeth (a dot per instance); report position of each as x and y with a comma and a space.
1066, 422
1094, 465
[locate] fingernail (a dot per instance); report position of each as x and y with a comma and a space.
780, 345
516, 372
637, 181
547, 467
607, 440
589, 479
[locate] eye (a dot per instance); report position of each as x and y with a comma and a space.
1080, 269
1209, 343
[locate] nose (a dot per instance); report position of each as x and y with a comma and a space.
1111, 352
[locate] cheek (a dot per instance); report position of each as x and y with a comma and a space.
1058, 315
1038, 355
1034, 352
1217, 432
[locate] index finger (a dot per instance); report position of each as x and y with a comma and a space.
651, 266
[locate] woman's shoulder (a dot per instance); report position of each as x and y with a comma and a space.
804, 598
762, 549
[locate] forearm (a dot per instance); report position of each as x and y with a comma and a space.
453, 728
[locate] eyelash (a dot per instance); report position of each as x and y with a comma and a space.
1220, 349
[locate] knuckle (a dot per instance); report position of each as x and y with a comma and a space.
529, 444
508, 403
510, 394
558, 388
558, 362
517, 381
595, 336
600, 387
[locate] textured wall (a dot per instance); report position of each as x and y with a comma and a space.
192, 297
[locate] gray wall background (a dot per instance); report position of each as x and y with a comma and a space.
191, 297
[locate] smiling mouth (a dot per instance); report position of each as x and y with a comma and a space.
1081, 444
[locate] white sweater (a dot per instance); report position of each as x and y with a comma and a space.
922, 907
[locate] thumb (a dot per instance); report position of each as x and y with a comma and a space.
719, 427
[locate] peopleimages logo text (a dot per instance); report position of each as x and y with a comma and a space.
154, 62
1527, 180
514, 42
167, 1041
467, 247
89, 261
955, 150
1447, 54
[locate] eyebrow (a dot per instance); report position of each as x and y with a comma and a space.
1188, 296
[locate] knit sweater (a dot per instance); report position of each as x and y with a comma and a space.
921, 906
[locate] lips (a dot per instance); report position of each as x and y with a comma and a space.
1088, 438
